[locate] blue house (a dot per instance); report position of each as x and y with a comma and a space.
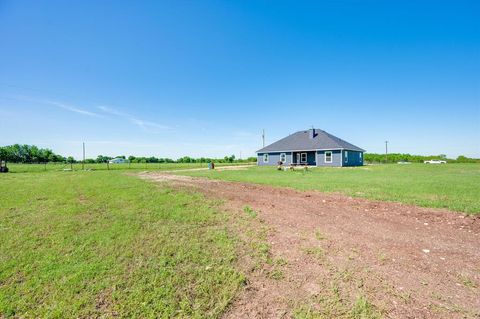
311, 147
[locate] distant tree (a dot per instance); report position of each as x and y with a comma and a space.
152, 159
464, 159
27, 154
103, 159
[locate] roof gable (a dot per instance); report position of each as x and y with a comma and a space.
301, 141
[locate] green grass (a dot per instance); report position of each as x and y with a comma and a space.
24, 168
452, 186
91, 244
334, 307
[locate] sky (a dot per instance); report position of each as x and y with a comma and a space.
203, 78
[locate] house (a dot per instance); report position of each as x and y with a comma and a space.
311, 147
118, 160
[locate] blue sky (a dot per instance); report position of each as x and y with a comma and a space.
203, 78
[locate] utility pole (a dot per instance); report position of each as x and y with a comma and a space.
83, 162
386, 152
263, 137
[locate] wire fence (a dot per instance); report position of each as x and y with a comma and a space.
44, 167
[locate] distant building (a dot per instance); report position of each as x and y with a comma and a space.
118, 160
311, 147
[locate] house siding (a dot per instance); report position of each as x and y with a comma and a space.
311, 160
314, 158
355, 158
273, 158
336, 158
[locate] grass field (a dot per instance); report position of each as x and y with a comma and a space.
452, 186
91, 244
24, 168
103, 244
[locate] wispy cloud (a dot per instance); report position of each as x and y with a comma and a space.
65, 106
147, 126
71, 108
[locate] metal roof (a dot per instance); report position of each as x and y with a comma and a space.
301, 141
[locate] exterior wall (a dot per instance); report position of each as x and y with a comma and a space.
274, 158
339, 158
336, 158
311, 160
355, 158
314, 158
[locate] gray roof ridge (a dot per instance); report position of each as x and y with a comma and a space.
334, 141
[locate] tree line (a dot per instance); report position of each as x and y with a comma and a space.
404, 157
184, 159
28, 154
32, 154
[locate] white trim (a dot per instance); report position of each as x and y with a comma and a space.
268, 157
301, 158
285, 157
325, 157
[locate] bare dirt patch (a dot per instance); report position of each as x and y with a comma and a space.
335, 256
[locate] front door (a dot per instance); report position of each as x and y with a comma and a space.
298, 158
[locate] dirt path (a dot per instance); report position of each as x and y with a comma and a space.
335, 256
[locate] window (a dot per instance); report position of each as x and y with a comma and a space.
328, 157
360, 156
303, 157
283, 157
346, 156
265, 158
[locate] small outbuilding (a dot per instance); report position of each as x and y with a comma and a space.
311, 147
118, 160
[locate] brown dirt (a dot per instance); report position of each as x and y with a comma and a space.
407, 261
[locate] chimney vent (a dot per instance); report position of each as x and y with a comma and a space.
311, 133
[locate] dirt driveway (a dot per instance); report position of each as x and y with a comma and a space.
337, 256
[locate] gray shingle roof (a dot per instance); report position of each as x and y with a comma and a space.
301, 141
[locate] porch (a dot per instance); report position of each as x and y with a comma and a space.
304, 158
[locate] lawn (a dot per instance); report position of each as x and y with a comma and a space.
103, 244
452, 186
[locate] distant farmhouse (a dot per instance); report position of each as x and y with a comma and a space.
118, 160
311, 147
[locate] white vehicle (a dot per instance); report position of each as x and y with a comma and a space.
435, 162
